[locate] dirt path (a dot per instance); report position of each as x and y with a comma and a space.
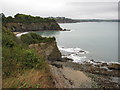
68, 78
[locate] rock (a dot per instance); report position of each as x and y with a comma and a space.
54, 54
49, 50
66, 59
66, 30
57, 65
104, 64
21, 27
81, 51
114, 66
92, 60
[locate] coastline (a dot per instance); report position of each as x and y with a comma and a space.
91, 62
98, 80
97, 71
66, 77
20, 33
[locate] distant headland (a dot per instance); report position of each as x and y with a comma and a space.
23, 23
69, 20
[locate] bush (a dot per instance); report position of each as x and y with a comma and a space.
16, 57
32, 38
26, 19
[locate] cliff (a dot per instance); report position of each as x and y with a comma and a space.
23, 23
27, 67
44, 46
48, 50
20, 27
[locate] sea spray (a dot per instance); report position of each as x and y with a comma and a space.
74, 53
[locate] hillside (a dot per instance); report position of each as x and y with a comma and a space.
22, 65
22, 23
64, 20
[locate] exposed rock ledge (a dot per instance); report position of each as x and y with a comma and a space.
67, 74
69, 78
63, 77
20, 27
48, 50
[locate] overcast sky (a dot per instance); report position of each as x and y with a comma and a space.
103, 9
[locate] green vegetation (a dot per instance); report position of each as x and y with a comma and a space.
32, 38
22, 23
26, 19
18, 59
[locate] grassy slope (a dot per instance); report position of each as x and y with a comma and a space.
22, 67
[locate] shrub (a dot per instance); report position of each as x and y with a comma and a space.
16, 57
32, 38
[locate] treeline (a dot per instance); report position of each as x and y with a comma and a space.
26, 19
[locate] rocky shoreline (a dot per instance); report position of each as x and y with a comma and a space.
65, 77
102, 77
101, 74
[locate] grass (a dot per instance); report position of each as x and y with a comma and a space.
23, 67
29, 79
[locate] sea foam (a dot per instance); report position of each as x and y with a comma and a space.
18, 35
73, 53
73, 50
75, 58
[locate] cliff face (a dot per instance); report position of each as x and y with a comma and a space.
22, 22
47, 50
20, 27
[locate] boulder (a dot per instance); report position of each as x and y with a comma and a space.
114, 66
66, 59
57, 65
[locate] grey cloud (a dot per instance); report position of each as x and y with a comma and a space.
67, 8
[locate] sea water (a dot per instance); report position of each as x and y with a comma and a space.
87, 40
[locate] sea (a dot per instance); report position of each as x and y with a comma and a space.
87, 41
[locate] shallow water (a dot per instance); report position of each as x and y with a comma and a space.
99, 39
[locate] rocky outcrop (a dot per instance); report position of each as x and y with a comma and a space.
21, 27
114, 66
48, 50
110, 78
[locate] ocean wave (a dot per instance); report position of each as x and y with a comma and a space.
73, 50
95, 62
78, 56
74, 54
75, 58
18, 35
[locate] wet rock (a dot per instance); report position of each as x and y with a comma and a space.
92, 60
57, 65
81, 51
114, 66
100, 74
104, 64
67, 59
